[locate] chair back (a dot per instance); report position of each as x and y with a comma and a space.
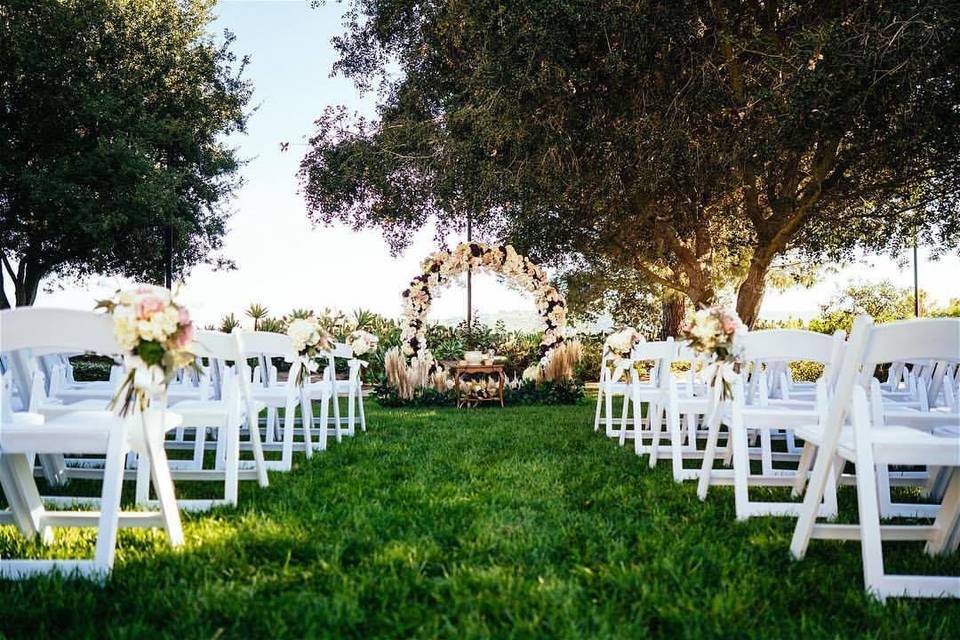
263, 345
911, 340
29, 332
57, 331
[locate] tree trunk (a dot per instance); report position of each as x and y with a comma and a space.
672, 311
26, 282
750, 295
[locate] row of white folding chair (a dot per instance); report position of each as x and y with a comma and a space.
267, 389
197, 411
867, 444
325, 389
25, 434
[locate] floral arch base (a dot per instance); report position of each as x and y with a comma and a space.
440, 268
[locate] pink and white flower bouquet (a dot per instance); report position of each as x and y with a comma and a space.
309, 341
715, 332
155, 333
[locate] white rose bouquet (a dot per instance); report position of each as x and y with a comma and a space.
363, 342
155, 333
309, 340
715, 331
621, 343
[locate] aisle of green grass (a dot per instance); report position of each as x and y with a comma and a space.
518, 522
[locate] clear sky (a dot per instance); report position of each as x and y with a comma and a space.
284, 263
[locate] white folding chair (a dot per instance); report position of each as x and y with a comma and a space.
614, 383
867, 445
226, 414
274, 394
752, 410
330, 388
103, 433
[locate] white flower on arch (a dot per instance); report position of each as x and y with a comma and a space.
438, 270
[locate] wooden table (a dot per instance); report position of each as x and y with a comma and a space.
468, 399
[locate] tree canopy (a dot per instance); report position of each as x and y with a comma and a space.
697, 143
113, 114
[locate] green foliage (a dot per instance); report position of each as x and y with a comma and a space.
387, 396
504, 523
691, 144
228, 323
150, 352
528, 393
91, 368
952, 310
273, 325
558, 392
883, 301
300, 314
114, 122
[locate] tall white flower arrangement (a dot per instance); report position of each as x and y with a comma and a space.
442, 266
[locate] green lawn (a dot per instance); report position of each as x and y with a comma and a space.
517, 522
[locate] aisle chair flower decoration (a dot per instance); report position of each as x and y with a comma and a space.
362, 342
155, 332
309, 341
716, 332
619, 345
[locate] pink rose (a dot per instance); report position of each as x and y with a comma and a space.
148, 306
728, 324
185, 335
184, 316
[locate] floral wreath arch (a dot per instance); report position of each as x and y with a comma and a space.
440, 268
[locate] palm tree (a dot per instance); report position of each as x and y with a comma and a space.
228, 323
257, 312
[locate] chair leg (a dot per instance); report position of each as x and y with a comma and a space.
231, 475
655, 422
163, 485
948, 517
324, 418
709, 454
335, 398
803, 467
596, 414
306, 417
870, 537
676, 441
109, 522
624, 414
289, 415
16, 480
199, 445
363, 419
142, 487
258, 457
270, 434
608, 402
766, 452
351, 411
741, 465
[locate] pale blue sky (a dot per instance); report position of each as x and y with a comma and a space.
284, 263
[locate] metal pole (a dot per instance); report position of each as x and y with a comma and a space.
916, 279
469, 277
168, 256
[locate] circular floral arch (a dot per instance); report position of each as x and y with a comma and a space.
440, 268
